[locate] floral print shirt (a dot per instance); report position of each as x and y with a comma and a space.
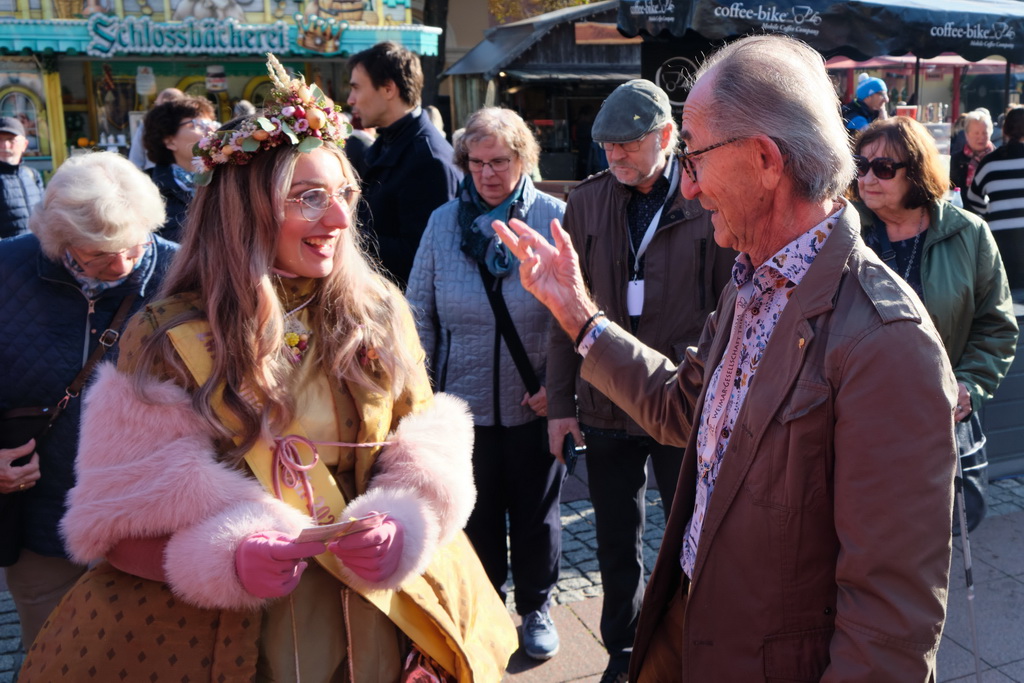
763, 293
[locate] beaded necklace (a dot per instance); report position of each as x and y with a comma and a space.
913, 252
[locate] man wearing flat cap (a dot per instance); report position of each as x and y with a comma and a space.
21, 186
651, 262
872, 96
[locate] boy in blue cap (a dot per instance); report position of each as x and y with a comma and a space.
872, 95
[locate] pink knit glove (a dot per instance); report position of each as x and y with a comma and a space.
372, 554
269, 564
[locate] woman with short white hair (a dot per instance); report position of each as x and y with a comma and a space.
977, 145
61, 287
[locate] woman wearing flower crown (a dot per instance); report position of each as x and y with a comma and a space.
275, 492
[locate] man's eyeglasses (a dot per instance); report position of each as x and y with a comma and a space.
884, 167
105, 258
686, 158
314, 203
630, 147
497, 165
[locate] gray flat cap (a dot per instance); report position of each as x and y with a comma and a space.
633, 110
9, 124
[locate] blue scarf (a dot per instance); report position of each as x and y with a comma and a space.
479, 241
184, 178
93, 287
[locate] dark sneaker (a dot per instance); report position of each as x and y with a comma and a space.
540, 637
611, 675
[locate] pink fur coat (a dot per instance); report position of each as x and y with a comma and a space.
146, 468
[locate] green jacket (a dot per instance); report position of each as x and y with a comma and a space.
963, 280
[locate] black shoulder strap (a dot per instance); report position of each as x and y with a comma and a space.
508, 330
886, 252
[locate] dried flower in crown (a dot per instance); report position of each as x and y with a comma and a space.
296, 114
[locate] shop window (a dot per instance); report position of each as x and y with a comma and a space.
19, 103
258, 90
116, 96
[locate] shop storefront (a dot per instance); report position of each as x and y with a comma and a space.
81, 74
555, 70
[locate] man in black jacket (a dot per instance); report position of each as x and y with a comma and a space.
408, 171
22, 187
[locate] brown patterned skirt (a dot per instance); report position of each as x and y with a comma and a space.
112, 626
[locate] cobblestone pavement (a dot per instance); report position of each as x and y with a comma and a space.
579, 577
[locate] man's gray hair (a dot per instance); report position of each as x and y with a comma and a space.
778, 87
673, 146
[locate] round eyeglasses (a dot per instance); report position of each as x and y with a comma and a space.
314, 203
884, 167
204, 125
105, 258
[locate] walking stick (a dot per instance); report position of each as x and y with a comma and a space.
962, 513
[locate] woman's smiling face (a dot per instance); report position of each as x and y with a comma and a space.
306, 248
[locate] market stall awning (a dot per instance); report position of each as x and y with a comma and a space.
503, 44
573, 74
974, 29
909, 61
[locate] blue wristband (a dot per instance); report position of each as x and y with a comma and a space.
590, 337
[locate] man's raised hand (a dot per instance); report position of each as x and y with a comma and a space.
551, 272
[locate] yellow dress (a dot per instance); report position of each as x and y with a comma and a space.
451, 612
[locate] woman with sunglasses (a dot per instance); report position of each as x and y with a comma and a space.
460, 274
170, 131
947, 255
276, 493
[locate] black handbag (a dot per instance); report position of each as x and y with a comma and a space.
970, 444
19, 425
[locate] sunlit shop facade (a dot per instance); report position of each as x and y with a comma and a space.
81, 74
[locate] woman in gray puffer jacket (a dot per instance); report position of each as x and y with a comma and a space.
458, 260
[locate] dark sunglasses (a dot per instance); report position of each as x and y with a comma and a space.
884, 167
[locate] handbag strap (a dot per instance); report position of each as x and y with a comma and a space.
107, 341
508, 330
885, 250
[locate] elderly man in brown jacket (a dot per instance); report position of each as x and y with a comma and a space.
809, 539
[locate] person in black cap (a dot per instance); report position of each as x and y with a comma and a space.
652, 264
22, 188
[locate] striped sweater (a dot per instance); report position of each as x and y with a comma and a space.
997, 193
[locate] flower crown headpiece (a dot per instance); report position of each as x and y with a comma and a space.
295, 113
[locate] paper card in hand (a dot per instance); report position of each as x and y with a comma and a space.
328, 532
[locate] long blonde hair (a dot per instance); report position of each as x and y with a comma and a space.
226, 257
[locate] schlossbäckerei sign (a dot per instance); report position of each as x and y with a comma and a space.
111, 35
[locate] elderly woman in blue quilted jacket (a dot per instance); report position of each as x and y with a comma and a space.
92, 245
459, 261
